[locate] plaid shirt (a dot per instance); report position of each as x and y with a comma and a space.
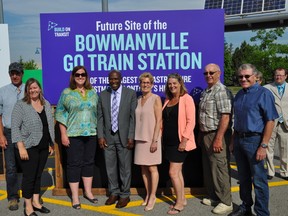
214, 102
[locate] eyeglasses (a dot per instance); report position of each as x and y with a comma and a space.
279, 75
80, 74
211, 73
145, 83
245, 76
13, 73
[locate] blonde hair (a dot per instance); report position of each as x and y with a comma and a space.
146, 75
27, 97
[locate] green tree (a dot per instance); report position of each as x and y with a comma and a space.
28, 65
268, 53
242, 54
228, 69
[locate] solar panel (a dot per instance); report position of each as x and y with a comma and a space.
213, 4
234, 7
274, 4
252, 6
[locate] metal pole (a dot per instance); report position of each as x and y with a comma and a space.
1, 12
104, 5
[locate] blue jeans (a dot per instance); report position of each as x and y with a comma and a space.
11, 167
251, 171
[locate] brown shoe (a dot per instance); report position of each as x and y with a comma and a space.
13, 205
122, 202
111, 200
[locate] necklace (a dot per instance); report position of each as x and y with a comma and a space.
81, 90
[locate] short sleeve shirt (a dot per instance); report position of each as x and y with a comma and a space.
214, 102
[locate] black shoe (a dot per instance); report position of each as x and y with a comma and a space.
241, 212
42, 210
32, 214
269, 177
94, 200
77, 206
40, 201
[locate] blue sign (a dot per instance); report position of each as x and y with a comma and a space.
160, 42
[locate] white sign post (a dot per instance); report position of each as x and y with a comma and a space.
4, 55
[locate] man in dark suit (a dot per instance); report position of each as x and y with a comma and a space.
116, 129
279, 89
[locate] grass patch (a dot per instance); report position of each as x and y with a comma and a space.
234, 89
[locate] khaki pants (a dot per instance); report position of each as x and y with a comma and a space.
279, 136
216, 169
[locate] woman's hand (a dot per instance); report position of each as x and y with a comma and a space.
182, 145
23, 153
65, 140
153, 146
51, 150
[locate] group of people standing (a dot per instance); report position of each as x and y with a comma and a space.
259, 122
123, 120
27, 136
117, 121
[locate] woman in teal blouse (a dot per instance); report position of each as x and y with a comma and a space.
76, 113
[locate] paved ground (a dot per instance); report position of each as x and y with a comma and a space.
61, 205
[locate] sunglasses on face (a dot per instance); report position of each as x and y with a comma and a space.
211, 73
244, 76
80, 74
14, 73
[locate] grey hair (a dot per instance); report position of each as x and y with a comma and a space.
247, 67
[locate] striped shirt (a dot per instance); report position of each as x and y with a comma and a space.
27, 126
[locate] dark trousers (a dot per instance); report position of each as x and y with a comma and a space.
251, 171
11, 167
81, 157
118, 161
32, 170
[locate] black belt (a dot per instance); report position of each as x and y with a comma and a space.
248, 134
207, 132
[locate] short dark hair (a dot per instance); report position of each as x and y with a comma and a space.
115, 71
280, 69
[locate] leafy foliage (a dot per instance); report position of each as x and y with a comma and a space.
28, 65
264, 52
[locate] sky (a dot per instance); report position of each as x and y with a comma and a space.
23, 19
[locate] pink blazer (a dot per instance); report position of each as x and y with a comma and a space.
186, 120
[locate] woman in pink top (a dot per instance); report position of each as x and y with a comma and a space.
148, 138
178, 137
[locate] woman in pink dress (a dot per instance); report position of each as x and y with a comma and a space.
148, 138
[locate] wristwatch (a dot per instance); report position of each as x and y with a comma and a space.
263, 145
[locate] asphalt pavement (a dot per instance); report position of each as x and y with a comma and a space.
61, 205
